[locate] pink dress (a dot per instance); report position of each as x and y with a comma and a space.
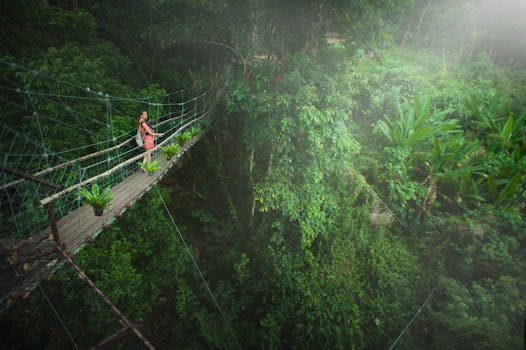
147, 138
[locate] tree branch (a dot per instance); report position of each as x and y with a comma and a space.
243, 59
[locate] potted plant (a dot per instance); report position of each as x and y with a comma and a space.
185, 136
194, 131
171, 150
150, 167
97, 199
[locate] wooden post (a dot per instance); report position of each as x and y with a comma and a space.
53, 223
106, 300
112, 338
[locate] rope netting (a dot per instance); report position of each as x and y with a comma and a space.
21, 213
95, 134
59, 136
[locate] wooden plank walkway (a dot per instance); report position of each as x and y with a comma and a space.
25, 262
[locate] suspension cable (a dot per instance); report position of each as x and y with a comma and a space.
17, 273
86, 89
47, 117
58, 317
198, 269
46, 96
412, 319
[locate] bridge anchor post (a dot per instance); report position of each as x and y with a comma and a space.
53, 222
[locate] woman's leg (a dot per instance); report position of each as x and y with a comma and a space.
149, 155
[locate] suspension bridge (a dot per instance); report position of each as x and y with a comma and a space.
42, 216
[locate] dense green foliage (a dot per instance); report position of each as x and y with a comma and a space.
339, 184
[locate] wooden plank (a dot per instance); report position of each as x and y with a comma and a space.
85, 215
109, 341
86, 211
77, 227
81, 225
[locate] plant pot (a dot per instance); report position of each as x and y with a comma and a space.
98, 211
150, 173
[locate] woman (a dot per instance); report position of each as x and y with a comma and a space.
147, 136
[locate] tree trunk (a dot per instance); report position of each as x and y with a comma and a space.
254, 33
491, 52
407, 32
269, 168
461, 53
422, 15
472, 47
308, 42
76, 6
444, 59
251, 178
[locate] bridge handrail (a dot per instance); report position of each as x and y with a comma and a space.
88, 156
117, 167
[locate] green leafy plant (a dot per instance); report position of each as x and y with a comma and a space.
194, 131
97, 199
171, 150
505, 131
185, 136
420, 123
447, 153
150, 167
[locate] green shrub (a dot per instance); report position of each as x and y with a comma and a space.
171, 150
150, 167
185, 136
194, 131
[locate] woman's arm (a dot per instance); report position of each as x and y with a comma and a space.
149, 131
